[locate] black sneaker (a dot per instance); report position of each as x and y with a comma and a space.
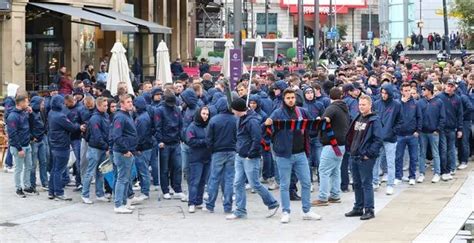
20, 193
294, 197
31, 190
78, 188
355, 213
50, 197
369, 214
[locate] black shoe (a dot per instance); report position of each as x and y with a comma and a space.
20, 193
355, 213
295, 197
31, 190
369, 214
78, 188
50, 197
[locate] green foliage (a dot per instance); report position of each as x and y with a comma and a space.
197, 52
291, 53
215, 54
342, 30
464, 9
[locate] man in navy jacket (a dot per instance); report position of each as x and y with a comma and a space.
221, 139
289, 147
247, 162
74, 109
60, 129
38, 141
389, 111
19, 141
433, 122
125, 141
364, 140
409, 134
454, 125
98, 136
168, 125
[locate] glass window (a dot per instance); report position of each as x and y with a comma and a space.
272, 23
87, 44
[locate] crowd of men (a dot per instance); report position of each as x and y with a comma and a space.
292, 129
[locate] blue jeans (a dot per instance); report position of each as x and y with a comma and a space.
362, 182
268, 170
171, 168
142, 160
124, 168
197, 178
154, 163
316, 148
95, 158
185, 157
433, 141
22, 167
412, 143
76, 148
299, 163
38, 155
389, 150
249, 169
330, 173
345, 165
465, 148
447, 147
222, 168
60, 158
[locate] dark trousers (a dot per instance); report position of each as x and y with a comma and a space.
362, 183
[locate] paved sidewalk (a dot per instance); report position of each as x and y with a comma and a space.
400, 217
408, 215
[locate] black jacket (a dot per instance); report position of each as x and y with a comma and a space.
340, 121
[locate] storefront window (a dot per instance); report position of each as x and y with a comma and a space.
272, 23
87, 44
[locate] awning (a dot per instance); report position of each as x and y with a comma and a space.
153, 27
106, 24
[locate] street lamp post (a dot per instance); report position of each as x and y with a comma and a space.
237, 24
316, 33
446, 31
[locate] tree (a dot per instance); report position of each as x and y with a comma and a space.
291, 53
342, 31
464, 9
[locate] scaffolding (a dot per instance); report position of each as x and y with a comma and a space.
209, 18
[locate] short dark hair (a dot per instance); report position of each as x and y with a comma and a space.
335, 93
288, 91
406, 84
20, 98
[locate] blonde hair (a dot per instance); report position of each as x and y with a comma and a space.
366, 97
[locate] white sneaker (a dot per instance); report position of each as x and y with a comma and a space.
462, 166
405, 179
135, 200
389, 190
376, 186
171, 191
272, 212
435, 178
155, 188
285, 218
445, 177
312, 188
103, 199
453, 172
205, 197
167, 196
10, 170
385, 178
180, 196
450, 177
405, 168
311, 216
247, 186
136, 188
200, 206
204, 209
411, 182
273, 186
87, 200
421, 178
108, 195
192, 209
122, 210
397, 182
232, 217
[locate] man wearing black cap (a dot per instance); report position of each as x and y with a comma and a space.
433, 121
247, 161
454, 124
168, 125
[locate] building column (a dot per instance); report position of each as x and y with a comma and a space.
184, 30
12, 59
176, 26
148, 62
72, 51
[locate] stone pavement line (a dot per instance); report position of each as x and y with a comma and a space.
450, 220
407, 215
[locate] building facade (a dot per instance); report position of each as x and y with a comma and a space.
38, 37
